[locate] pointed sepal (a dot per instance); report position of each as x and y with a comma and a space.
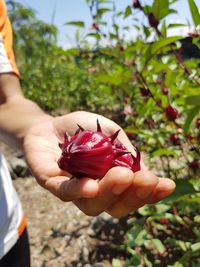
136, 166
114, 136
99, 127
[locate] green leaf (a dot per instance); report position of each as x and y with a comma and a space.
80, 24
117, 263
156, 8
139, 240
102, 11
163, 152
195, 247
197, 218
190, 118
174, 25
163, 42
194, 12
193, 100
164, 28
127, 12
183, 187
147, 262
158, 245
156, 46
95, 35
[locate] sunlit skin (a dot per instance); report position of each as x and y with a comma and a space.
118, 193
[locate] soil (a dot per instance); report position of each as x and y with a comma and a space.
60, 234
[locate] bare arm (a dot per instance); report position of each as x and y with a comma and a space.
17, 114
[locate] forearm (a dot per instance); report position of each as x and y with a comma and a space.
17, 114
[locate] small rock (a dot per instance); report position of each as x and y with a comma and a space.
18, 168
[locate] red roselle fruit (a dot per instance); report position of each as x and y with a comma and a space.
164, 220
91, 154
171, 113
95, 26
175, 139
198, 123
136, 4
194, 165
153, 22
144, 91
165, 91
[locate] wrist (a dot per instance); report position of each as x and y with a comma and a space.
18, 116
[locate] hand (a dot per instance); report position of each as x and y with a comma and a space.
118, 193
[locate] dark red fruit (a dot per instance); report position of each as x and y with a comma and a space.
164, 221
95, 26
171, 113
153, 22
121, 48
165, 91
175, 139
144, 91
128, 161
92, 154
136, 4
194, 165
198, 123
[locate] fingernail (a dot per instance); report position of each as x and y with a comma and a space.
120, 188
143, 192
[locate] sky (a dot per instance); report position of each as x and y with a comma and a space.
62, 11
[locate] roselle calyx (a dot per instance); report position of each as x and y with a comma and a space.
171, 113
153, 22
92, 153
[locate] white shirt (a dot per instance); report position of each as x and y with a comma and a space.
10, 210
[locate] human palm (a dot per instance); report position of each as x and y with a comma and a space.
118, 192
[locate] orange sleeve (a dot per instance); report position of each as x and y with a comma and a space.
7, 58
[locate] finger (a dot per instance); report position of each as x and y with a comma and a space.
70, 189
164, 188
143, 184
115, 182
132, 202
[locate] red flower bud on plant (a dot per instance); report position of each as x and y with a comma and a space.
95, 26
171, 113
198, 123
165, 91
153, 22
91, 154
164, 221
194, 165
136, 4
175, 139
144, 91
121, 48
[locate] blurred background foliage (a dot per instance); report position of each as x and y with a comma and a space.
150, 86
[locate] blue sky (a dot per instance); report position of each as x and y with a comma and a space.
66, 10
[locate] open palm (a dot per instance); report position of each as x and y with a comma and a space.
118, 192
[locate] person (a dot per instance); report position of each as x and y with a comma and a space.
25, 125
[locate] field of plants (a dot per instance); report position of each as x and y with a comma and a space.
149, 85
